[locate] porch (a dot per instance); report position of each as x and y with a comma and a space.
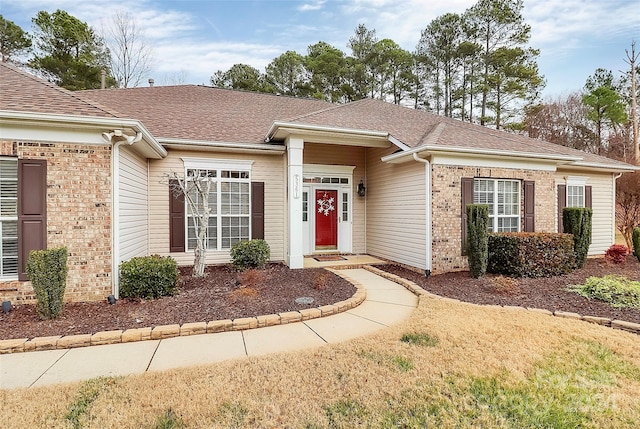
340, 261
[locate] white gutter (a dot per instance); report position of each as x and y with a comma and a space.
488, 152
428, 238
278, 149
72, 121
617, 168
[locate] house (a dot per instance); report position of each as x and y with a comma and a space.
89, 170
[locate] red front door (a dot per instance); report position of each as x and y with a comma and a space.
326, 219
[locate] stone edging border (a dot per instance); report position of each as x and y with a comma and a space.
168, 331
603, 321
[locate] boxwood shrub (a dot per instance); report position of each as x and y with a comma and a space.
636, 242
577, 221
47, 271
148, 277
529, 254
250, 254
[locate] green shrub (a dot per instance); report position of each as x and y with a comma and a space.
530, 254
577, 221
250, 254
47, 271
477, 231
148, 277
618, 291
636, 242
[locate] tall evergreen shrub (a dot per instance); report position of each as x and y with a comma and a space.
47, 271
636, 242
577, 221
477, 238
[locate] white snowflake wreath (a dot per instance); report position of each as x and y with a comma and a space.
325, 205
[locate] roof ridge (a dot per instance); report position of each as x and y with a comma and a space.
431, 135
328, 109
51, 85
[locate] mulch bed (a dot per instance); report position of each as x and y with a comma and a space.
222, 294
545, 293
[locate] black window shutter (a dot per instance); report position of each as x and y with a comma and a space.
587, 197
562, 203
257, 210
466, 188
32, 210
176, 218
529, 206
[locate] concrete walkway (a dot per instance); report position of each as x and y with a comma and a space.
387, 303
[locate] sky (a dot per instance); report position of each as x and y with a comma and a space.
192, 39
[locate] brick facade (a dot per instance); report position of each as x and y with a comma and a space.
447, 216
78, 216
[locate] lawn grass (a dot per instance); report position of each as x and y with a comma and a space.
490, 367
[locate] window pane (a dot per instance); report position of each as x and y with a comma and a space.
9, 266
8, 217
9, 169
575, 196
305, 206
234, 229
345, 207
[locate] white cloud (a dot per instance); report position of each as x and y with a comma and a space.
307, 7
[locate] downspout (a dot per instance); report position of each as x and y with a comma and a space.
428, 227
115, 218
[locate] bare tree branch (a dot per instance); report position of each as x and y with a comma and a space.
131, 57
195, 188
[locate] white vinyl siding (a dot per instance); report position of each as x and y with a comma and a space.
133, 228
269, 169
603, 205
396, 210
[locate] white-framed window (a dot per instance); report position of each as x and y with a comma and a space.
8, 217
503, 198
229, 201
575, 191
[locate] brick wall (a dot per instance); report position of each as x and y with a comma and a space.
447, 216
78, 216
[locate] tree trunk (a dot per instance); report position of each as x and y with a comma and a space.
198, 262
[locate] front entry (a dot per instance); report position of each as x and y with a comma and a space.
326, 217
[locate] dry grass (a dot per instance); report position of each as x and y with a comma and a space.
504, 285
490, 367
321, 280
251, 278
242, 293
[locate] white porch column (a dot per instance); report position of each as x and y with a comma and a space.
295, 146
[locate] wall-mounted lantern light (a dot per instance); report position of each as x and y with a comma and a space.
361, 189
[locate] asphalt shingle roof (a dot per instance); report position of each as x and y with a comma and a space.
194, 112
202, 113
23, 92
414, 127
